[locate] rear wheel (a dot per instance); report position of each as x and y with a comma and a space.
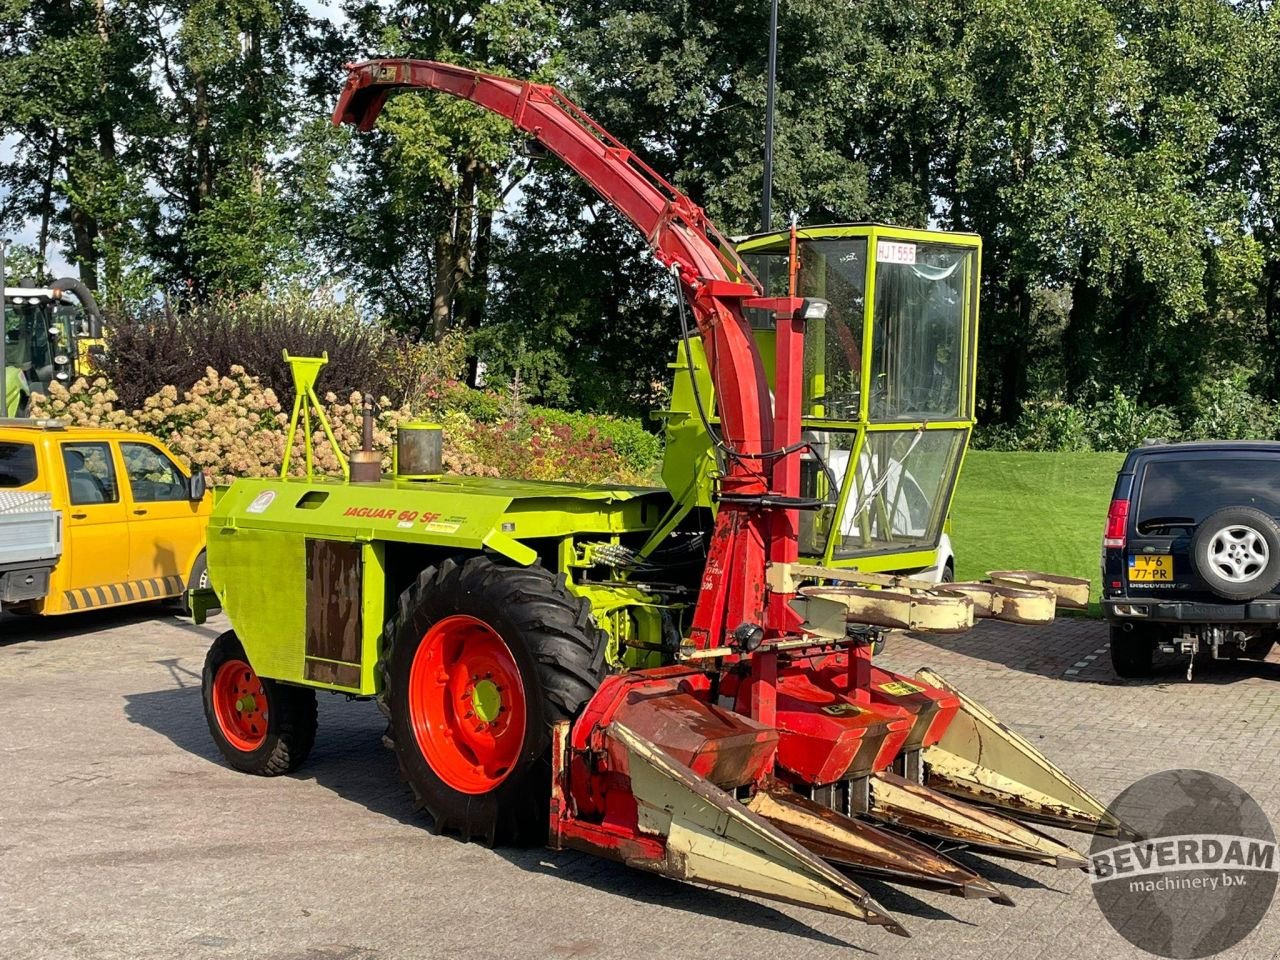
479, 662
1133, 648
261, 726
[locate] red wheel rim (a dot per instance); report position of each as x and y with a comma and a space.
466, 704
240, 704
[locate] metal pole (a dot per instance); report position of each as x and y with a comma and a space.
4, 338
766, 201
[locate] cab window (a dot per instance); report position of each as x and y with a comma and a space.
91, 476
153, 477
17, 464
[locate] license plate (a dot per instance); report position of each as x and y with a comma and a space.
1145, 568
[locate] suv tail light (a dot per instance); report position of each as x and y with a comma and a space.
1117, 524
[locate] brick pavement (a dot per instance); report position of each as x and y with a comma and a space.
122, 834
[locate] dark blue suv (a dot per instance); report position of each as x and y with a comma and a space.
1191, 553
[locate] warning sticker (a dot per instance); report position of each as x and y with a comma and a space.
445, 524
261, 502
841, 709
899, 688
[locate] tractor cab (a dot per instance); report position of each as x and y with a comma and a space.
888, 384
48, 333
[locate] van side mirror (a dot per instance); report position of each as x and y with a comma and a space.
196, 486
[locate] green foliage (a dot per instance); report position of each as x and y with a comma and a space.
1221, 408
1118, 157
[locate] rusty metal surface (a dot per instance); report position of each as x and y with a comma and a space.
898, 802
709, 837
864, 848
721, 746
981, 759
994, 601
1071, 592
337, 674
904, 610
334, 614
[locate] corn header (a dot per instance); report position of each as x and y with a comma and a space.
681, 677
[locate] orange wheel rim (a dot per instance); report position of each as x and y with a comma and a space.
240, 705
467, 704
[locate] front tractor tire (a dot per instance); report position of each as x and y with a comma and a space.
478, 663
261, 726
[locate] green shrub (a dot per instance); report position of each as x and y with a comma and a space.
159, 347
1223, 408
639, 449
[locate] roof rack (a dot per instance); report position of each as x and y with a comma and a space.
30, 423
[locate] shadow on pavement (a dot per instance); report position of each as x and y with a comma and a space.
350, 760
648, 888
17, 628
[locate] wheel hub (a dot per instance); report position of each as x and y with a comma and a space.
486, 700
1239, 553
466, 704
240, 705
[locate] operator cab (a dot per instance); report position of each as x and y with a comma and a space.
888, 382
46, 334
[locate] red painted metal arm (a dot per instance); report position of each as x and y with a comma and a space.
714, 281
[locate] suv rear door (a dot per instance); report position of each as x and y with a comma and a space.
1175, 493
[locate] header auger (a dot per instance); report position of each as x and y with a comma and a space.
679, 678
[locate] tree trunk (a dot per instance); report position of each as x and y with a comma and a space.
84, 234
1013, 379
1077, 338
1271, 316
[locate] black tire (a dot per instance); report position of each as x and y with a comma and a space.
199, 577
1133, 648
559, 653
1256, 572
199, 572
290, 717
948, 573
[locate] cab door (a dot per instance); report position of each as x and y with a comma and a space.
96, 533
165, 525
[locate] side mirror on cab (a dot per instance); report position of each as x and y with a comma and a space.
196, 486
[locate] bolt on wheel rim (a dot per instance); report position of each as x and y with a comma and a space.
240, 705
1238, 553
466, 704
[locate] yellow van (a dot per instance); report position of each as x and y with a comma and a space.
93, 518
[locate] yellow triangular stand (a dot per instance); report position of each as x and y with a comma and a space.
305, 372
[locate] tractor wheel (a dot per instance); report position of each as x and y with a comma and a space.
479, 662
261, 726
1133, 649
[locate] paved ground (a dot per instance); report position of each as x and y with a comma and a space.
123, 835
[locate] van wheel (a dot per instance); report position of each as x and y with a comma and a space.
198, 579
479, 662
1133, 649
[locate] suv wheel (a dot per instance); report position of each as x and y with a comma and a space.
1237, 552
1133, 648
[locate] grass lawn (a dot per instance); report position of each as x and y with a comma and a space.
1036, 511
